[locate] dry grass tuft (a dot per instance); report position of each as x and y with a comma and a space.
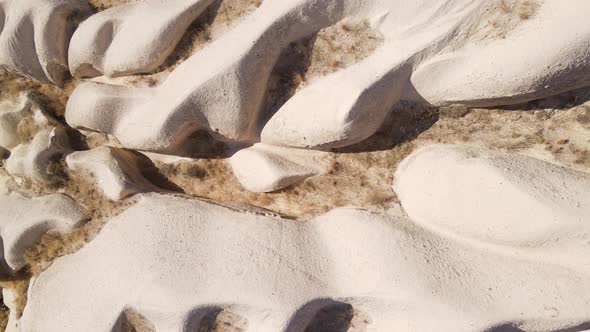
106, 4
331, 49
4, 313
553, 134
524, 9
340, 46
230, 10
19, 284
212, 179
28, 128
497, 19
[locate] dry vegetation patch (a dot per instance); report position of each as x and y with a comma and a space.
106, 4
340, 46
4, 313
496, 19
19, 284
28, 128
559, 135
329, 50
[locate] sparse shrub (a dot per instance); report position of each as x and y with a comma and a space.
194, 170
4, 313
106, 4
27, 128
526, 10
19, 284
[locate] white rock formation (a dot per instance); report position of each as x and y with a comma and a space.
505, 199
116, 171
172, 260
221, 88
521, 68
118, 41
24, 220
266, 168
34, 36
32, 160
223, 97
439, 58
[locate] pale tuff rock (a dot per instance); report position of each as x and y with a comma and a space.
33, 160
265, 168
493, 197
116, 171
34, 36
480, 240
118, 41
171, 260
221, 89
24, 220
223, 97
